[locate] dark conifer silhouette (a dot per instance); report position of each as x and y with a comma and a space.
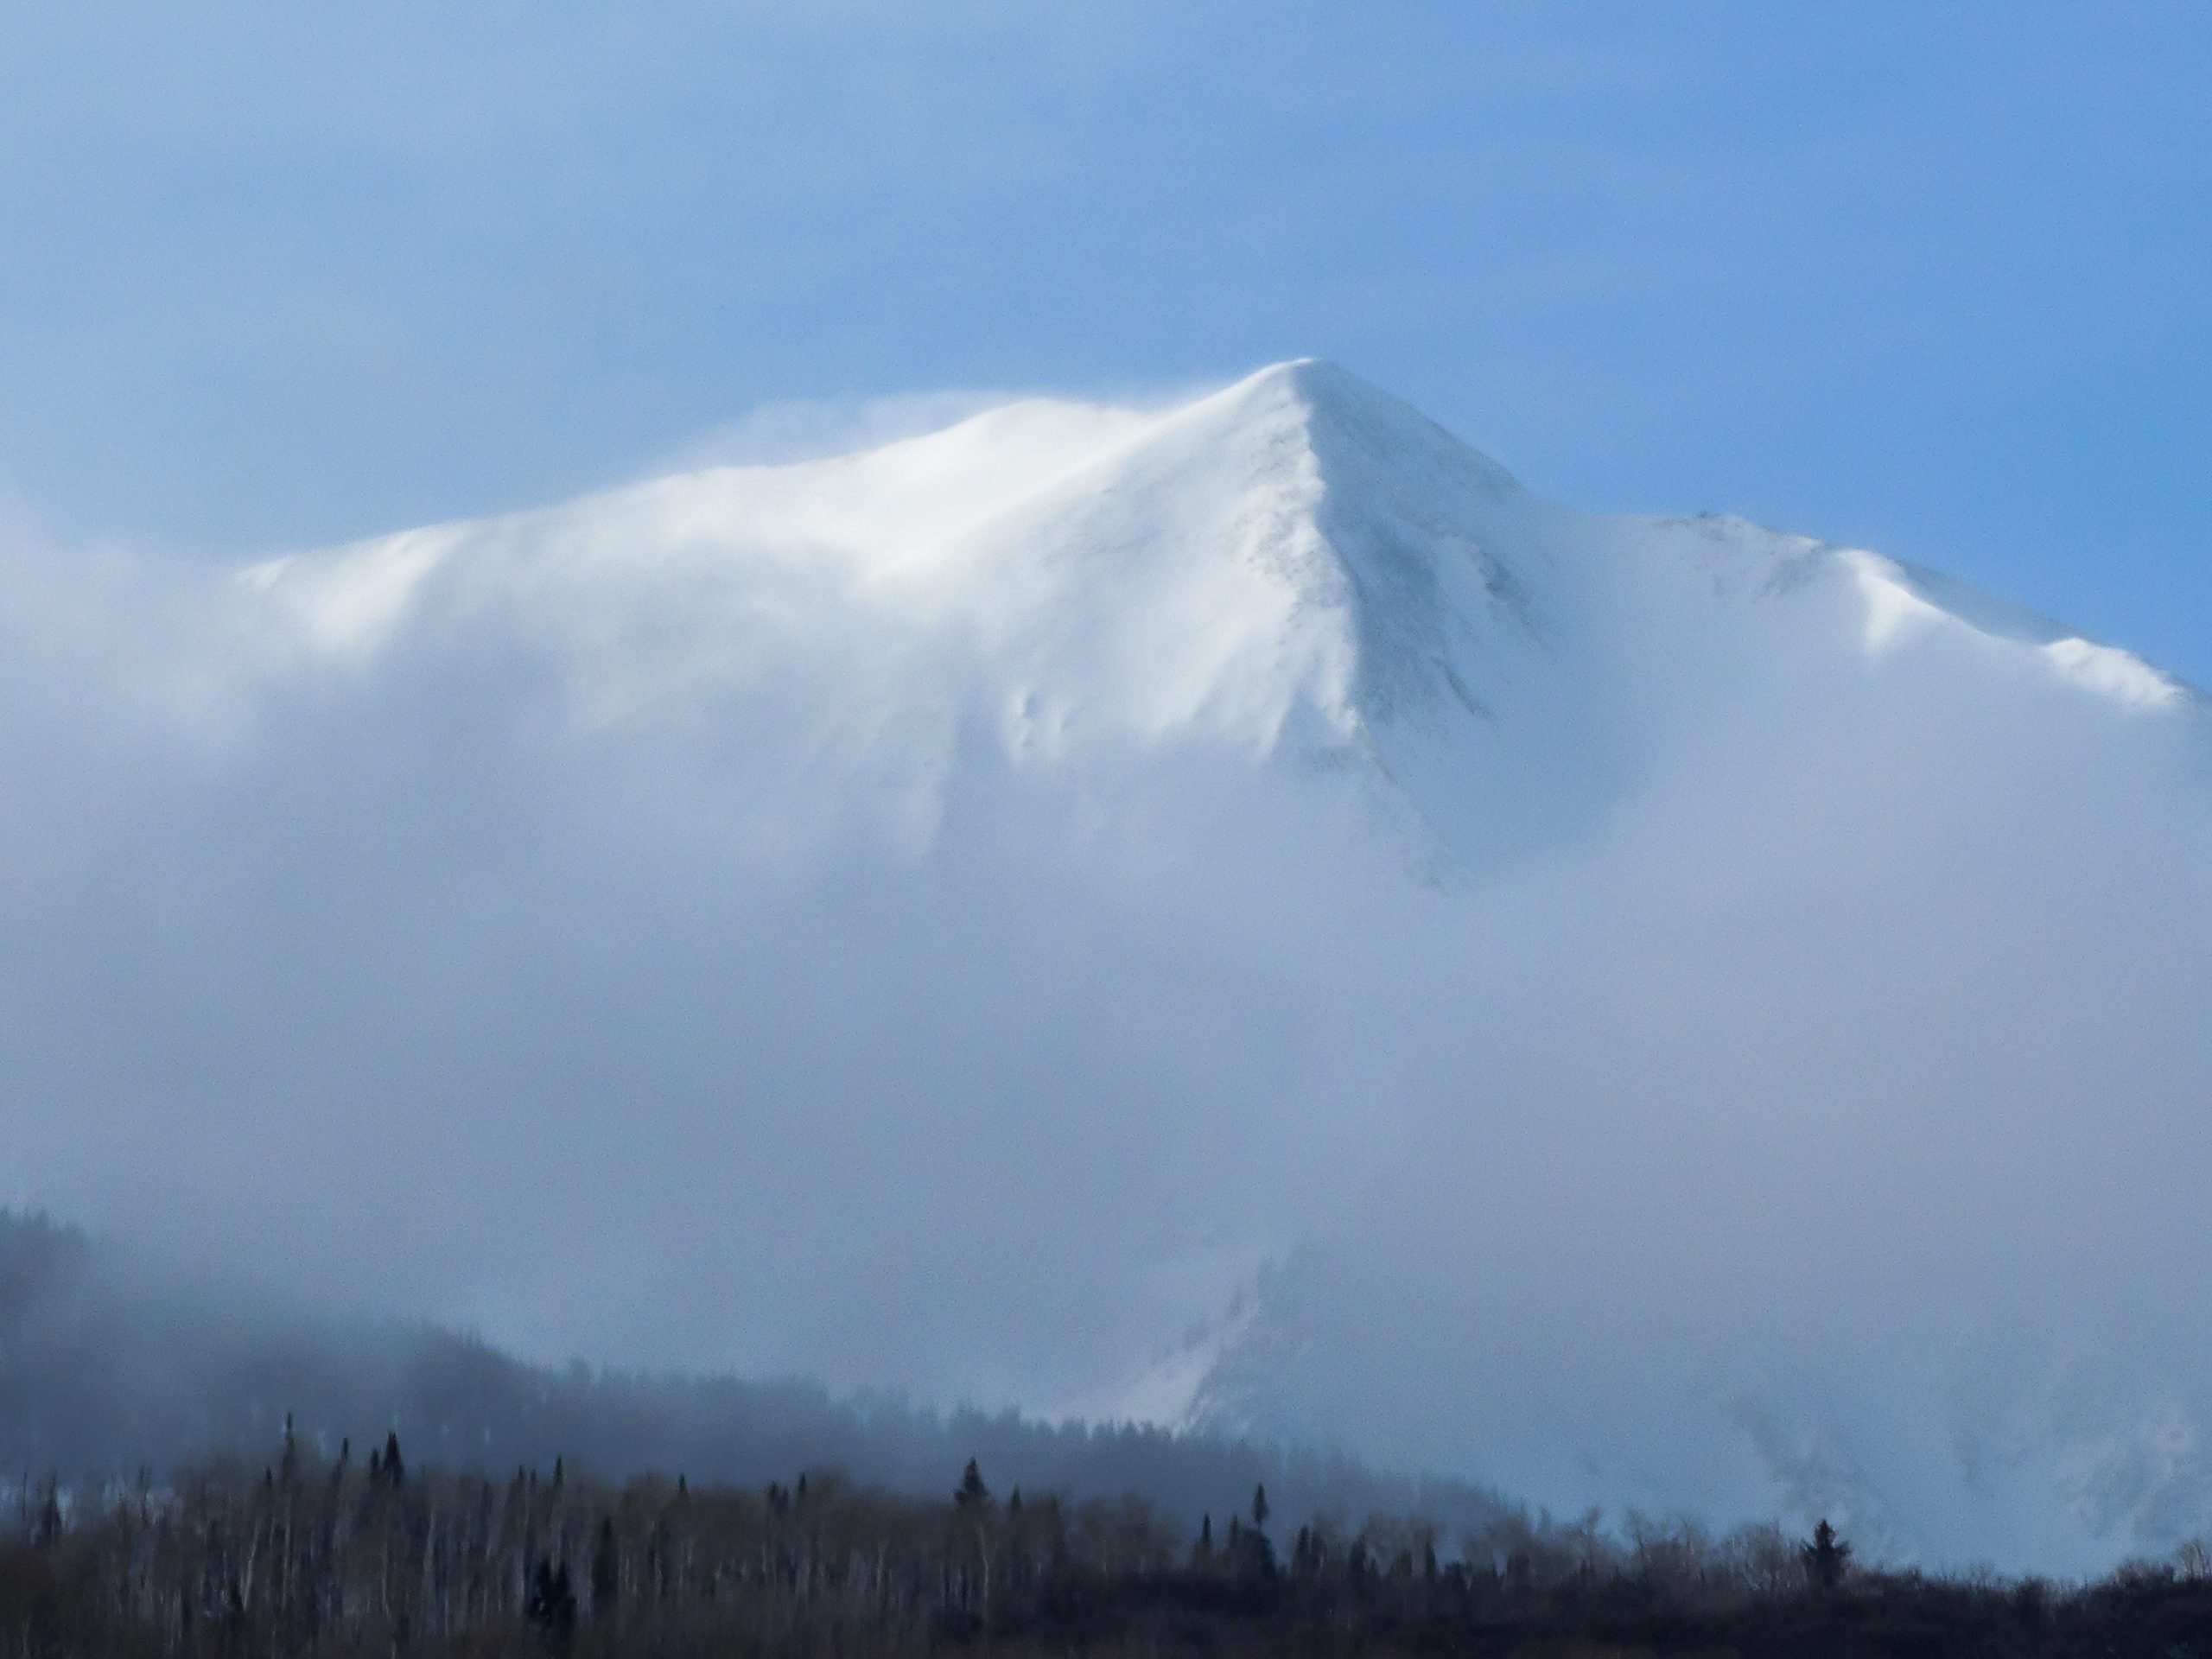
552, 1603
606, 1571
973, 1494
1826, 1558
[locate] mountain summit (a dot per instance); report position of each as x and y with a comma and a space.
1297, 565
1237, 913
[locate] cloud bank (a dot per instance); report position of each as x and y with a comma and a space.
674, 930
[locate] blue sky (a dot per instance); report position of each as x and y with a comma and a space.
1929, 277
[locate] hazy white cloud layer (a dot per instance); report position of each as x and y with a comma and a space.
1013, 912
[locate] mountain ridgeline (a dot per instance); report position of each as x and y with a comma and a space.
113, 1367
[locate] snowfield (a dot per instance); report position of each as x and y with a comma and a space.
1236, 912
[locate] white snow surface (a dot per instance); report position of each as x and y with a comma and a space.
1236, 912
1297, 565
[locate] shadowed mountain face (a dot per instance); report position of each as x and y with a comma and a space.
112, 1367
1236, 914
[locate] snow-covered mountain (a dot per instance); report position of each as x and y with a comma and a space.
1297, 566
1237, 913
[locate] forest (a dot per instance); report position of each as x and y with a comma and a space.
161, 1495
375, 1555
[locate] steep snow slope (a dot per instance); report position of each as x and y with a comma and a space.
1299, 566
1236, 911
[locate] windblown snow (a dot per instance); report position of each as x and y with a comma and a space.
1236, 912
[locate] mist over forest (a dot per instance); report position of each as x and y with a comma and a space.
241, 1532
114, 1366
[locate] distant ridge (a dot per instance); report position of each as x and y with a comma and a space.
110, 1365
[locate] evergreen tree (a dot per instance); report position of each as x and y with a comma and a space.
552, 1602
1255, 1558
973, 1494
606, 1571
395, 1470
1826, 1558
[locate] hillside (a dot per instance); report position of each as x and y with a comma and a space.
115, 1368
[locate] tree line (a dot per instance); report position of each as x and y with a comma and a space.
378, 1554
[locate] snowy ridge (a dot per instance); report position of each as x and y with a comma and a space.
1298, 564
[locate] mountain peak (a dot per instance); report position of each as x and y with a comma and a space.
1298, 563
1313, 378
1354, 422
